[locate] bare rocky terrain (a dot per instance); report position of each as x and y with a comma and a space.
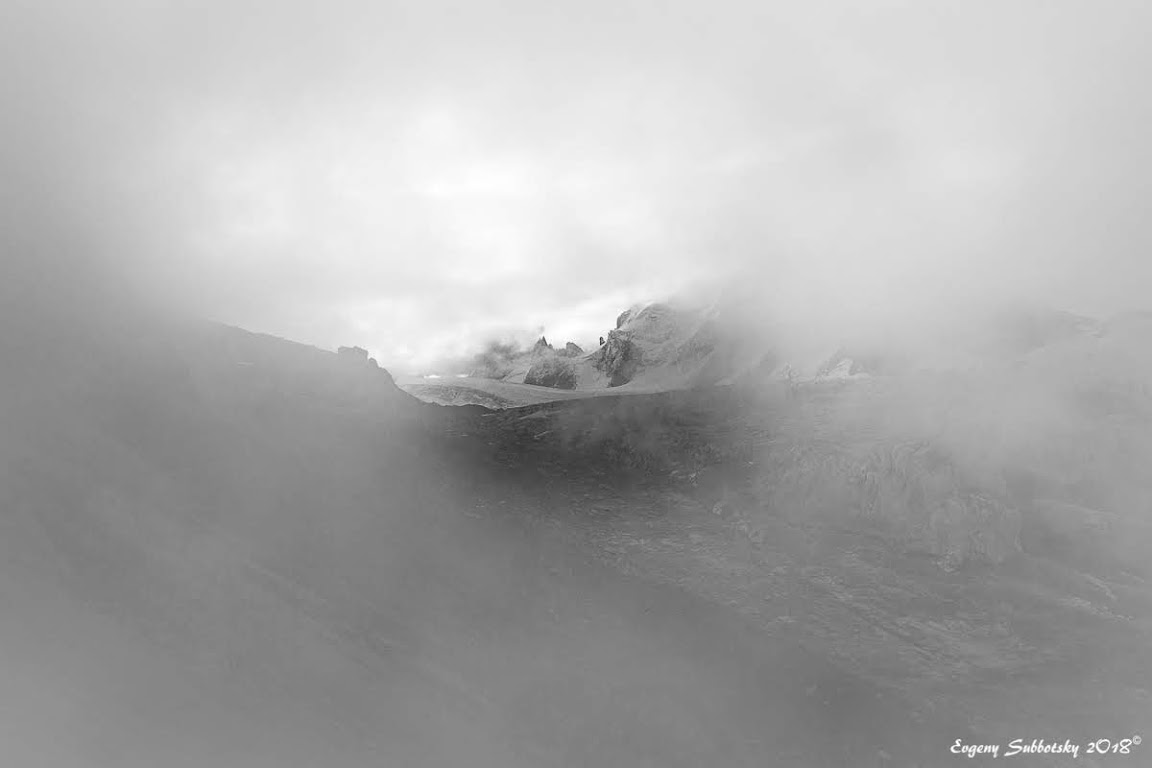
997, 600
223, 548
654, 347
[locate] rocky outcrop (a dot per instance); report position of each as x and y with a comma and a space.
357, 355
658, 323
552, 372
673, 344
540, 362
619, 358
847, 364
375, 368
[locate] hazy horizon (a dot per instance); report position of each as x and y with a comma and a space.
420, 178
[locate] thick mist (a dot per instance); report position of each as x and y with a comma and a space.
419, 178
218, 548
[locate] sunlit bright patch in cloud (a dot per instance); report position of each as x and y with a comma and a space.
450, 189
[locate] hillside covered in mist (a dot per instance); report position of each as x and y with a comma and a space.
683, 343
860, 470
223, 547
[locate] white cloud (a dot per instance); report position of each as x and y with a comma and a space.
413, 181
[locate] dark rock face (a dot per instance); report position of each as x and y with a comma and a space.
571, 350
553, 372
619, 358
542, 345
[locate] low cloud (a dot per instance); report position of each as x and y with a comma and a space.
417, 179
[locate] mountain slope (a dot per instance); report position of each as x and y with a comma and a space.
975, 540
654, 347
226, 549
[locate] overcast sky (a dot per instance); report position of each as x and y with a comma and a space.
419, 177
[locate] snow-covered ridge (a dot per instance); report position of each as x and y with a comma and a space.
732, 336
